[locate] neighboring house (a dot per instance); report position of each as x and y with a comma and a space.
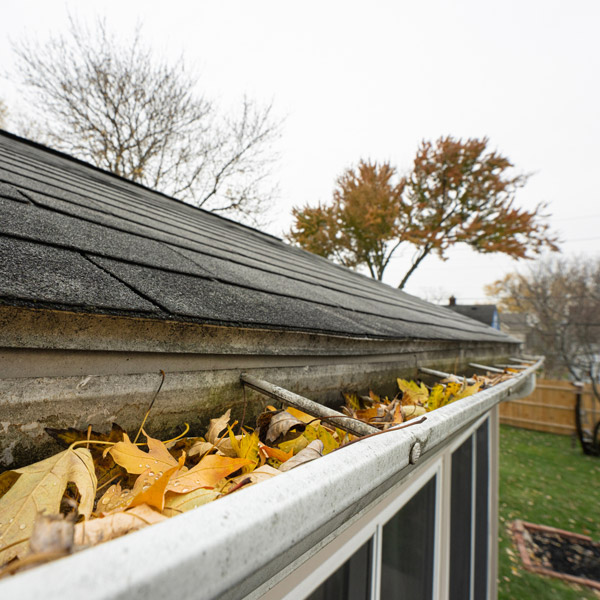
517, 325
104, 283
484, 313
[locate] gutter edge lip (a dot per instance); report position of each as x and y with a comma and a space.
216, 547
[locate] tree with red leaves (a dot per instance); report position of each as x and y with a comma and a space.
457, 192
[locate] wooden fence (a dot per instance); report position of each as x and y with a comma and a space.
550, 408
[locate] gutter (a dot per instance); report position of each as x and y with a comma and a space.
228, 548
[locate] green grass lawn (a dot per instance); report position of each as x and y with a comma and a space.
544, 480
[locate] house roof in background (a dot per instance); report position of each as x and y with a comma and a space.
484, 313
74, 237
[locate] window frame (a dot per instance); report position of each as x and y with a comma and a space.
368, 524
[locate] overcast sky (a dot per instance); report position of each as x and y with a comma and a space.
372, 79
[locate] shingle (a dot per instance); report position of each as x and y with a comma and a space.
210, 300
190, 263
10, 191
48, 227
39, 273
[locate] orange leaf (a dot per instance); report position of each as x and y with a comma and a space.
207, 473
152, 494
276, 453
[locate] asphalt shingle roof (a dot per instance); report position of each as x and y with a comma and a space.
74, 237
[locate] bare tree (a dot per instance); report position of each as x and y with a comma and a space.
119, 107
562, 299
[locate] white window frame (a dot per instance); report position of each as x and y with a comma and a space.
368, 525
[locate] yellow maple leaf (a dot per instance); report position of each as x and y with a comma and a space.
413, 393
318, 432
40, 488
136, 461
436, 397
247, 448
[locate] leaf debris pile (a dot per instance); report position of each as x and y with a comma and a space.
103, 486
415, 399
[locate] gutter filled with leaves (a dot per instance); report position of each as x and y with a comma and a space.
103, 486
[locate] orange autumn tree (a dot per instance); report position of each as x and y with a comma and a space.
363, 225
457, 192
461, 192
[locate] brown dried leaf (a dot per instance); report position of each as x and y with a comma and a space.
52, 533
312, 451
115, 525
261, 474
217, 427
281, 423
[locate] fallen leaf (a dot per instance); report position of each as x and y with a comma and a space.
412, 410
150, 488
294, 446
114, 497
136, 461
216, 427
468, 390
214, 440
201, 448
176, 504
261, 474
374, 397
318, 432
106, 468
276, 453
52, 533
207, 473
415, 393
40, 488
436, 397
115, 525
246, 447
281, 423
301, 416
367, 414
312, 451
352, 401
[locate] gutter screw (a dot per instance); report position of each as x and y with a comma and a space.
415, 453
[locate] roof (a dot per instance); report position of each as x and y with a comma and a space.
76, 238
484, 313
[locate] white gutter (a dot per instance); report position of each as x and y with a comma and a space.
227, 548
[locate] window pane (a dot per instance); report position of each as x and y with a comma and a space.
481, 512
352, 581
407, 549
460, 522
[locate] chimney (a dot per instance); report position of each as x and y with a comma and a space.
452, 301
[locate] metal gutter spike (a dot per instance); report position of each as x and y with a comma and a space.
353, 426
443, 375
486, 368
